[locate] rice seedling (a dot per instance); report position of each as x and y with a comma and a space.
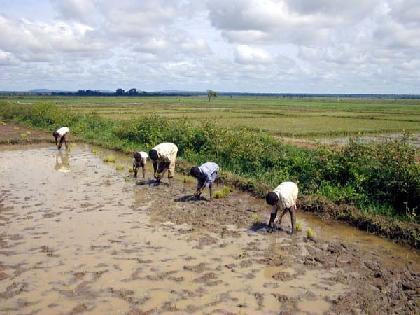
222, 193
310, 234
109, 158
119, 167
256, 217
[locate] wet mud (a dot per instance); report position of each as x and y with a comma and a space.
13, 133
79, 236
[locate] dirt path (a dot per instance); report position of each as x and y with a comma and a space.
77, 236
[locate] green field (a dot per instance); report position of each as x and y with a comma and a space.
311, 118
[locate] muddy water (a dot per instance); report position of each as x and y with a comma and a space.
77, 236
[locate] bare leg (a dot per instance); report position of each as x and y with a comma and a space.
135, 171
144, 171
65, 140
61, 142
162, 173
282, 215
211, 194
154, 168
171, 169
292, 212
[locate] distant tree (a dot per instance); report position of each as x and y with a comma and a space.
119, 92
132, 92
210, 94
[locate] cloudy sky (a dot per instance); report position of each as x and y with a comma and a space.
313, 46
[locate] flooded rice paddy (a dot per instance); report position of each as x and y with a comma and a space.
79, 236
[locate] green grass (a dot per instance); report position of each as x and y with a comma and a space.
304, 118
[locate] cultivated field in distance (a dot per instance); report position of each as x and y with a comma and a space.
322, 119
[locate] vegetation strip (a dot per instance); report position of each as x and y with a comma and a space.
379, 178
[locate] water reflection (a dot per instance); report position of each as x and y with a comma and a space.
62, 161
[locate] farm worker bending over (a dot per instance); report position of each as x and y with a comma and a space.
164, 157
62, 134
139, 160
283, 198
206, 174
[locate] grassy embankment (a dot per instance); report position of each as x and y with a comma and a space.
380, 179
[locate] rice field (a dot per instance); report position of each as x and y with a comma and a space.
307, 118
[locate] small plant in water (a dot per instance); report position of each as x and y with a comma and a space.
298, 227
24, 136
109, 158
256, 218
223, 193
310, 234
119, 167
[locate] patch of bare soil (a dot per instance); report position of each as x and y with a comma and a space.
12, 133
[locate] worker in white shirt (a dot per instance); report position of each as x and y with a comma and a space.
163, 157
206, 174
61, 133
283, 197
139, 160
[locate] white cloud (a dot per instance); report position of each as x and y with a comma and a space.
78, 10
7, 58
39, 41
250, 55
254, 45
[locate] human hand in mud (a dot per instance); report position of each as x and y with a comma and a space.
157, 178
200, 187
197, 194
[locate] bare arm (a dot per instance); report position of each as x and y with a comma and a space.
200, 187
154, 168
